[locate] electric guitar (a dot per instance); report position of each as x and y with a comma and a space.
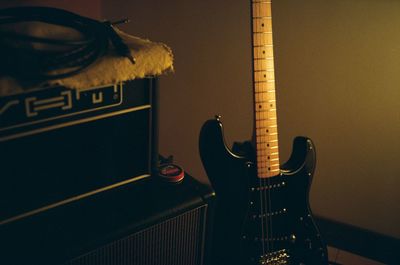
263, 215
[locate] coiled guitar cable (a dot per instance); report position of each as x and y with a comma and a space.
36, 58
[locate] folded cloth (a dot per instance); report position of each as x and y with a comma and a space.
152, 59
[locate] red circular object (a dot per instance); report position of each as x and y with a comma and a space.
171, 173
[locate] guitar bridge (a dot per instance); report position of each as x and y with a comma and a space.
280, 257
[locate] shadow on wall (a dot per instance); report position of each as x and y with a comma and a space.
89, 8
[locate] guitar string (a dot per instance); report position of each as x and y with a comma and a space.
265, 190
261, 217
264, 202
264, 216
261, 180
269, 180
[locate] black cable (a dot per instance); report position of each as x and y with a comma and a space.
35, 58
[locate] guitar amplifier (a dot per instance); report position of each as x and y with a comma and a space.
147, 222
59, 145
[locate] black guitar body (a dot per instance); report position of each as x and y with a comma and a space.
261, 221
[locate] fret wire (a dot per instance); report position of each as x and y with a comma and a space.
263, 129
265, 91
272, 126
266, 166
265, 159
268, 163
273, 165
266, 120
264, 58
266, 81
266, 138
261, 94
267, 135
264, 88
261, 146
267, 142
264, 94
262, 133
267, 126
268, 157
271, 154
266, 101
266, 70
266, 147
256, 17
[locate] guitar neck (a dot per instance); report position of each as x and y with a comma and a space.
264, 91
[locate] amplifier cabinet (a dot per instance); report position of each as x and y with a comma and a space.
175, 241
146, 222
58, 144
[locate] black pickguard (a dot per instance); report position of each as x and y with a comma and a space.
261, 221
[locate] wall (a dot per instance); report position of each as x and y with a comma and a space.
337, 82
337, 76
90, 8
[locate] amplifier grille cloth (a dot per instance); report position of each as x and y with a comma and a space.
176, 241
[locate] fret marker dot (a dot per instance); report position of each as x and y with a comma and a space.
263, 52
265, 75
262, 25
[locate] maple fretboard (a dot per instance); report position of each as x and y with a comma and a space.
264, 91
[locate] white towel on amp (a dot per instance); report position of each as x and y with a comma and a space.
152, 59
